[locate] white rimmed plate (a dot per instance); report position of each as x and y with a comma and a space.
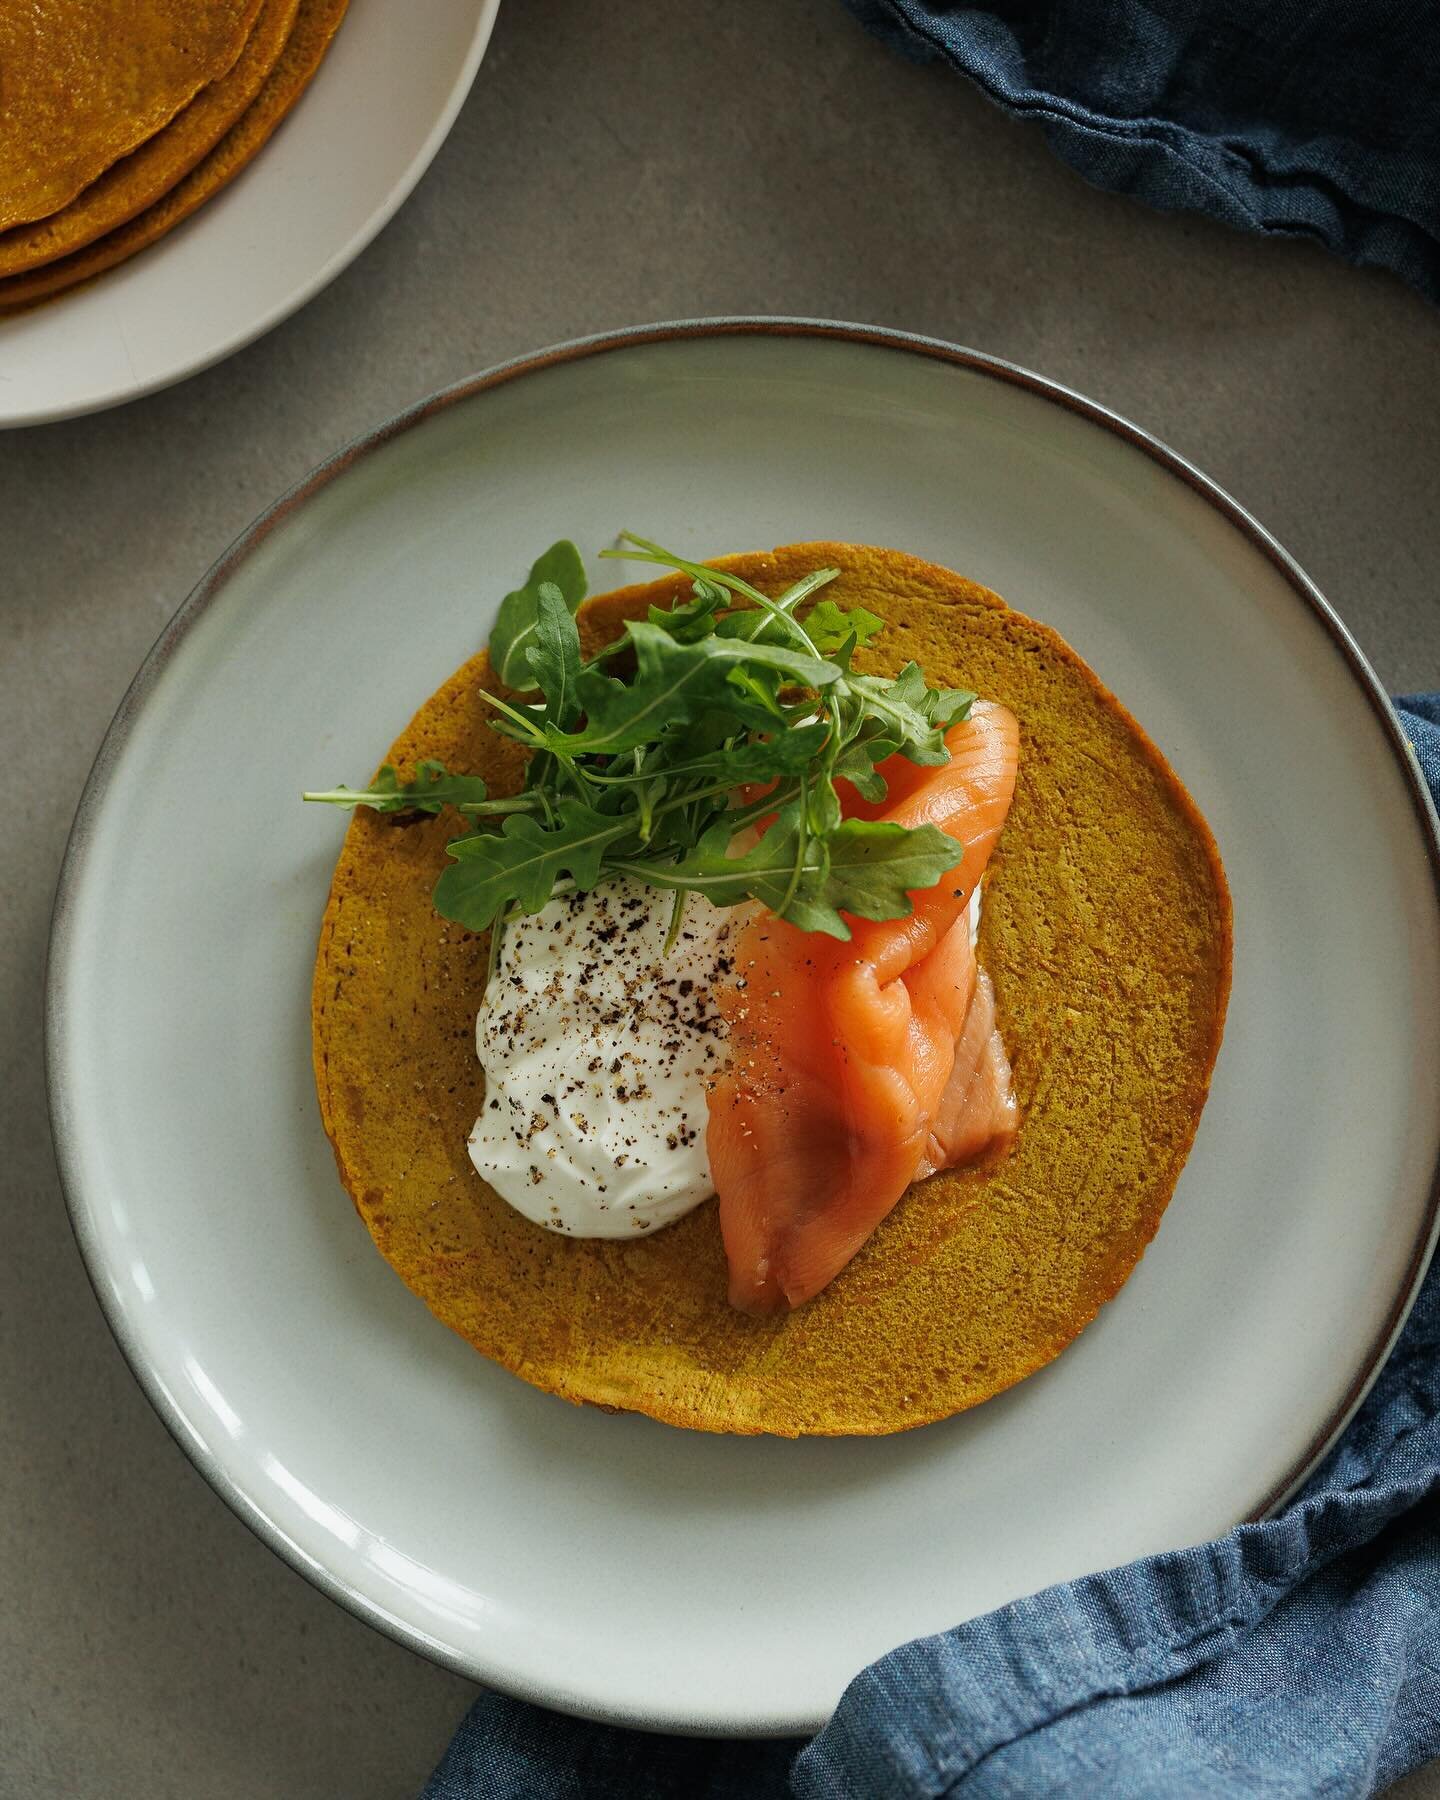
611, 1565
336, 171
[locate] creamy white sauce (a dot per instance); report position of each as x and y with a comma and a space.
598, 1046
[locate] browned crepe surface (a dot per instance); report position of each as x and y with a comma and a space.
139, 179
316, 23
82, 82
1106, 927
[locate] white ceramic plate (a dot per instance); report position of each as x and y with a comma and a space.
335, 172
611, 1565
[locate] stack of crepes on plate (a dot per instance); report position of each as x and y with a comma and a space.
118, 118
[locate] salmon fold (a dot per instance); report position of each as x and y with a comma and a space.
856, 1068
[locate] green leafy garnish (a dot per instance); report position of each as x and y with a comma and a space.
554, 657
431, 791
732, 712
673, 683
521, 865
517, 624
857, 866
830, 628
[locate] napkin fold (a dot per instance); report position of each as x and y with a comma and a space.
1292, 1658
1301, 118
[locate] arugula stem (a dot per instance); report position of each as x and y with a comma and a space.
671, 770
652, 553
337, 796
646, 808
663, 875
677, 919
802, 846
530, 802
579, 780
417, 802
497, 938
705, 793
805, 587
533, 731
772, 802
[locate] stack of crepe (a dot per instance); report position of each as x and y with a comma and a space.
118, 118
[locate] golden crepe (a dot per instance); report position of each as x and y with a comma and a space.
84, 81
139, 179
1106, 929
316, 23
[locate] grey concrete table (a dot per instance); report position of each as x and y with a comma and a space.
614, 164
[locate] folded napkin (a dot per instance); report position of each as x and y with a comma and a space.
1307, 118
1297, 1657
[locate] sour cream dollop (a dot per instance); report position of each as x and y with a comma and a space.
598, 1047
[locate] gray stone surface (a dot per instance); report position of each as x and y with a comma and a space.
614, 164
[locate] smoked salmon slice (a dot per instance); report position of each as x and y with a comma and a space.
855, 1068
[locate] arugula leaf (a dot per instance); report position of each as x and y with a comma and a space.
760, 624
907, 709
517, 623
520, 864
867, 868
695, 618
673, 682
555, 656
728, 710
875, 866
757, 698
945, 707
822, 806
788, 753
709, 731
856, 764
431, 791
744, 762
829, 626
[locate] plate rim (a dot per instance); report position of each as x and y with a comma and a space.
395, 197
210, 588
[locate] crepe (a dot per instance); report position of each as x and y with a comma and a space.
139, 179
1106, 929
84, 81
316, 23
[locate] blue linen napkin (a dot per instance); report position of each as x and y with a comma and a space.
1306, 118
1294, 1658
